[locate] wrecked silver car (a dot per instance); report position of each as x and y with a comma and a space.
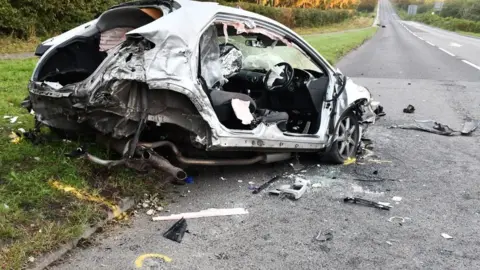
195, 83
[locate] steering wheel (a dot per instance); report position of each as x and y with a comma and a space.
279, 77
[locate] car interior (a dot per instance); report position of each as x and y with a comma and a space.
292, 99
75, 60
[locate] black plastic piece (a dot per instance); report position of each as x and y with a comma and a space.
177, 231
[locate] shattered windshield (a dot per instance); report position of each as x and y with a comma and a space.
264, 58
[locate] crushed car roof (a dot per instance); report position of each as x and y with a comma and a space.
192, 18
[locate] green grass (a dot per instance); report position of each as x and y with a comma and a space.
34, 217
333, 46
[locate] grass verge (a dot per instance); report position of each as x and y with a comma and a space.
34, 216
349, 24
10, 44
333, 46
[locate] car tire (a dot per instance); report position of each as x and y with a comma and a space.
347, 139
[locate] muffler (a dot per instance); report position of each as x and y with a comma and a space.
163, 164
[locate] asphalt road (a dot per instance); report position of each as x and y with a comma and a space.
436, 177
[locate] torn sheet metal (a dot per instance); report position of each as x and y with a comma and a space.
440, 129
242, 111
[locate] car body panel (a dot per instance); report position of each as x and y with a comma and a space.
172, 64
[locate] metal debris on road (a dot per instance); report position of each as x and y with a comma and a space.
396, 199
356, 200
212, 212
294, 191
440, 129
409, 109
446, 236
324, 236
177, 231
266, 184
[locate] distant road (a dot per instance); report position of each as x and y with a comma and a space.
409, 50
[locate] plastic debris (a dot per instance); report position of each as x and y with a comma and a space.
349, 161
189, 180
15, 139
446, 236
223, 178
240, 181
294, 191
22, 130
409, 109
355, 200
177, 231
6, 206
396, 219
150, 212
212, 212
31, 259
396, 198
324, 236
36, 158
317, 185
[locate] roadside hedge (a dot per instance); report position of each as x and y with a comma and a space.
300, 17
449, 23
27, 18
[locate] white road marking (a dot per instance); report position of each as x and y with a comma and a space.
421, 38
430, 43
471, 64
447, 52
453, 44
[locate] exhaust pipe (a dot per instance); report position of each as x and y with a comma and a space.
264, 158
163, 164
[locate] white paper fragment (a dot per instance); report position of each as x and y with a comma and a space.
242, 111
22, 130
7, 117
396, 198
54, 85
446, 236
212, 212
37, 158
13, 119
